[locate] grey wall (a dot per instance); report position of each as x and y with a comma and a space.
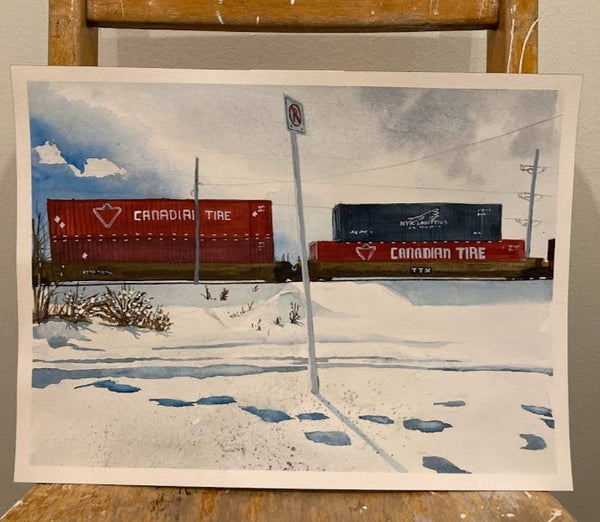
569, 43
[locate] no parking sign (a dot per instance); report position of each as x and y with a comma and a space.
294, 115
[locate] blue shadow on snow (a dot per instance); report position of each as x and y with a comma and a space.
378, 419
534, 442
111, 386
178, 403
432, 426
312, 416
549, 422
330, 438
215, 400
450, 404
173, 403
42, 377
538, 410
267, 414
441, 465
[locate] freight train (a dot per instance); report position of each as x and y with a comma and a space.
155, 239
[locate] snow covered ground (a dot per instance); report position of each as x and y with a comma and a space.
420, 376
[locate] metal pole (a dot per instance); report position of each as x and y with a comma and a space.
533, 172
312, 358
196, 227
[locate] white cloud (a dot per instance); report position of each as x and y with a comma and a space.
49, 154
100, 168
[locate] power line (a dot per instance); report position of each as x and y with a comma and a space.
317, 181
407, 162
440, 189
290, 181
445, 151
378, 185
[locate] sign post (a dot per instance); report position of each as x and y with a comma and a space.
294, 114
196, 227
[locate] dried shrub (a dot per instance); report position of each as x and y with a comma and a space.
129, 307
294, 314
76, 306
224, 294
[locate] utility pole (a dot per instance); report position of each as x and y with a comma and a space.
530, 196
196, 227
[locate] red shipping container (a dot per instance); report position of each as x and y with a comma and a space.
409, 251
162, 250
160, 230
158, 217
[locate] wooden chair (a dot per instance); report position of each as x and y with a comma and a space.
73, 40
511, 24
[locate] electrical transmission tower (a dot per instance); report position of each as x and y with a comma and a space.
530, 196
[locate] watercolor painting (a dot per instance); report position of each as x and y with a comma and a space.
294, 279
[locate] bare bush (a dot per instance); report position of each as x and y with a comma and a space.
76, 306
45, 284
44, 296
294, 314
257, 326
129, 307
242, 311
125, 307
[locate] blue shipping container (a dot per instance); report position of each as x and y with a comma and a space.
417, 222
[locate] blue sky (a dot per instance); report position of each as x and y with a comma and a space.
109, 139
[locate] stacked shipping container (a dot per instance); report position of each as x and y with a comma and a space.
160, 230
417, 222
417, 232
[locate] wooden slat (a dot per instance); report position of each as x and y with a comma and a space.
297, 15
70, 40
513, 46
128, 503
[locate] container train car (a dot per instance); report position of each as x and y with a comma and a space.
429, 259
155, 239
430, 240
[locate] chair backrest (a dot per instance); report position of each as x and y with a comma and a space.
511, 24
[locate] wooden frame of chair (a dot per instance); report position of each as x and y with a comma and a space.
512, 47
512, 25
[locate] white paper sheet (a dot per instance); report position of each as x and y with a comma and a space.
440, 366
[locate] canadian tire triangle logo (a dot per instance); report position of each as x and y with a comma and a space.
366, 251
107, 214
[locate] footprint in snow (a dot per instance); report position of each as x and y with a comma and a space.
537, 410
330, 438
216, 400
441, 465
534, 442
450, 404
267, 415
377, 419
173, 403
432, 426
312, 416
